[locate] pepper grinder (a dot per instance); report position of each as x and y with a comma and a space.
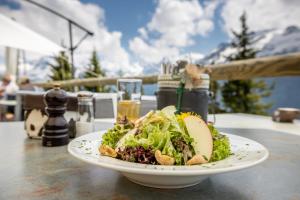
56, 127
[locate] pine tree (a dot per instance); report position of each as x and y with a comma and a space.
214, 106
61, 70
93, 71
214, 87
244, 96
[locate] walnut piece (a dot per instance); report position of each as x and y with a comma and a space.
197, 159
163, 159
107, 151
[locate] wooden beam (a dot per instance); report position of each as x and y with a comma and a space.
96, 81
273, 66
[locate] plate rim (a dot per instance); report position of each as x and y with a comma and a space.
167, 172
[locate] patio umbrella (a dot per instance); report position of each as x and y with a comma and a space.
13, 34
16, 37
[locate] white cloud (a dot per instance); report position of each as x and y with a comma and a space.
142, 31
192, 57
172, 27
151, 54
108, 44
261, 14
203, 26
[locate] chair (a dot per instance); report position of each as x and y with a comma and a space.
105, 104
101, 105
148, 103
19, 111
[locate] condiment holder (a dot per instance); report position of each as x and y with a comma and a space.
85, 113
286, 114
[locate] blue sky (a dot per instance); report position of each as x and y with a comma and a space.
131, 35
128, 20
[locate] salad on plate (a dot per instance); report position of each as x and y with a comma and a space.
164, 138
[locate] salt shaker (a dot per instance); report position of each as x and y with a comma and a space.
85, 114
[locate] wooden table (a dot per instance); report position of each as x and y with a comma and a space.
30, 171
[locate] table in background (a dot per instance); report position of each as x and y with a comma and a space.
30, 171
4, 104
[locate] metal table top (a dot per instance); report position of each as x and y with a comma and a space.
30, 171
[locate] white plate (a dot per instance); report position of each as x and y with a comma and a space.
247, 153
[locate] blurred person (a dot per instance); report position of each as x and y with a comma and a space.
25, 84
8, 87
8, 90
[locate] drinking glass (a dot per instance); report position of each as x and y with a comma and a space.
129, 98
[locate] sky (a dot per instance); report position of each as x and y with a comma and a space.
132, 35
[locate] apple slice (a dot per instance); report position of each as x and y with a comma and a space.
198, 130
169, 111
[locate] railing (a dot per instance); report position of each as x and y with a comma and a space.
272, 66
95, 81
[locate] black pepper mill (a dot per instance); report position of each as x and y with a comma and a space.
56, 127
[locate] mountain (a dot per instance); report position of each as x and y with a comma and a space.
269, 42
287, 42
39, 70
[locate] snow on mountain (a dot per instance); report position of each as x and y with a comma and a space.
267, 42
287, 42
270, 42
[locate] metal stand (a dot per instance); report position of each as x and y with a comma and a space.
72, 48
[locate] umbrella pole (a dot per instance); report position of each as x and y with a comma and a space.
18, 65
71, 48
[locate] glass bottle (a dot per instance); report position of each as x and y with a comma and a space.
85, 114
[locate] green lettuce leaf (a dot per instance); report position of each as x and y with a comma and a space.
221, 145
113, 135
